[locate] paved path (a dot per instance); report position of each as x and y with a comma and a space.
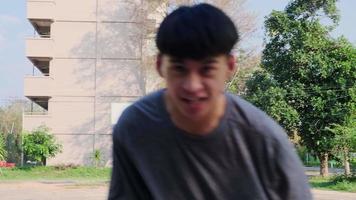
51, 191
45, 190
333, 195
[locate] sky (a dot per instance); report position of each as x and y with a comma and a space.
15, 28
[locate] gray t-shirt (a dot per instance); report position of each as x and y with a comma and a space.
248, 157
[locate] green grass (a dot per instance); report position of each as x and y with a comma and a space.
334, 183
56, 173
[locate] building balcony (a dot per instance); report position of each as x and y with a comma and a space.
41, 14
40, 51
39, 48
37, 88
32, 120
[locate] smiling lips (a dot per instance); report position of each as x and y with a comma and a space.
194, 104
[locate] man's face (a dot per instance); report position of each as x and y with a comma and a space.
194, 87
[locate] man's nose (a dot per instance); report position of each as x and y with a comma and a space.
192, 83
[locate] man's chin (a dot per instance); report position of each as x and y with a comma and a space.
194, 116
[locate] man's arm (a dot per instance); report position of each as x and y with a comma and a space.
285, 171
116, 191
126, 181
293, 183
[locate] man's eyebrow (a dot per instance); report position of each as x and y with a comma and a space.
175, 60
210, 61
205, 61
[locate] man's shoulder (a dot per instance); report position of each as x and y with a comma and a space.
147, 103
246, 114
147, 108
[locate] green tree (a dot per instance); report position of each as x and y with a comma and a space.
3, 152
264, 92
11, 127
345, 140
40, 144
311, 75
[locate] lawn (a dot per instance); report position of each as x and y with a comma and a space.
56, 173
100, 175
334, 183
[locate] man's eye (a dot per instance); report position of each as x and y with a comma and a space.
179, 68
206, 70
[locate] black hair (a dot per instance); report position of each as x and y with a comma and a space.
196, 32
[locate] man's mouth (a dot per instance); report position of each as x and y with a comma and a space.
191, 100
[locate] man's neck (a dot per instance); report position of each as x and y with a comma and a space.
203, 126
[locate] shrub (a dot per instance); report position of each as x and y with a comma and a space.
96, 157
40, 145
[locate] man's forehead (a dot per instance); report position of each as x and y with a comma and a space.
173, 59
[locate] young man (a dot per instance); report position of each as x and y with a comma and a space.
193, 141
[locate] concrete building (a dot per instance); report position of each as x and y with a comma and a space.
93, 58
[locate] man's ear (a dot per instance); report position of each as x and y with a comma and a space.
231, 64
159, 64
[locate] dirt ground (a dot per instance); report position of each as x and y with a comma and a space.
45, 190
59, 190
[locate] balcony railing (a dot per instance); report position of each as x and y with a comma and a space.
39, 48
40, 10
37, 86
32, 120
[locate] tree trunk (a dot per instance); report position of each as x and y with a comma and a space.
324, 170
44, 161
346, 162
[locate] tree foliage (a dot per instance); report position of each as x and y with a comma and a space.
11, 117
266, 94
307, 75
345, 140
345, 135
3, 152
40, 144
11, 128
